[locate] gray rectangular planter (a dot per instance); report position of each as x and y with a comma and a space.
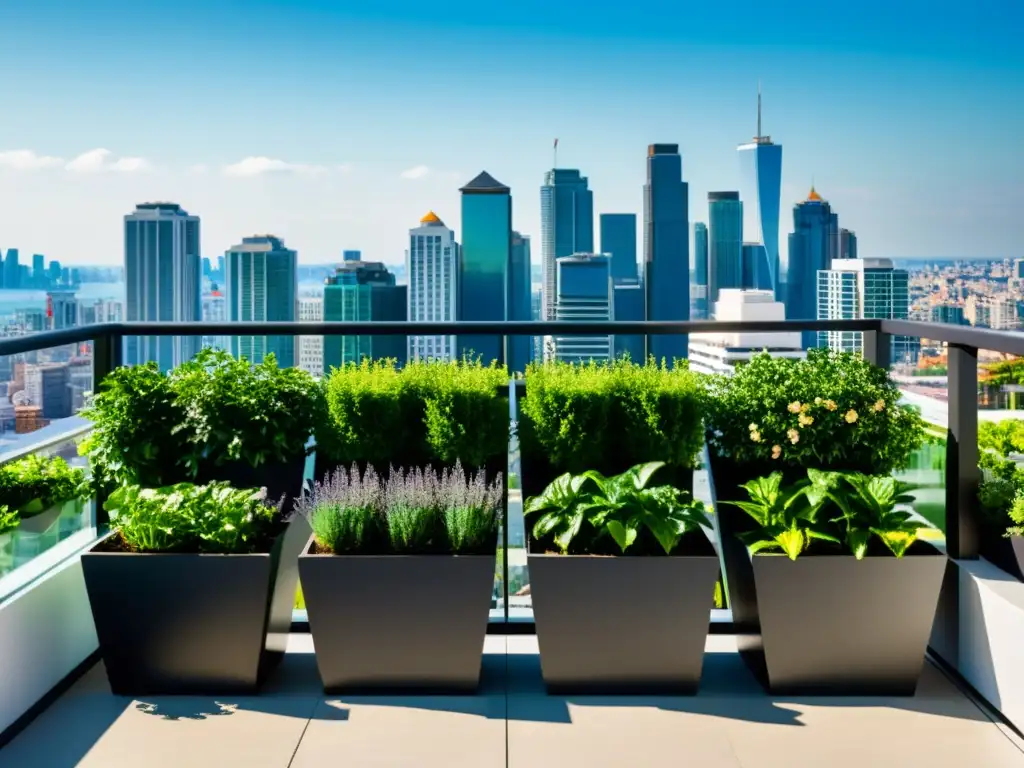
192, 623
1006, 553
397, 622
623, 624
836, 625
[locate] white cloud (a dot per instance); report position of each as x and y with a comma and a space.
27, 160
198, 169
258, 166
417, 172
99, 160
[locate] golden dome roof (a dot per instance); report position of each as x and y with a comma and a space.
815, 196
430, 218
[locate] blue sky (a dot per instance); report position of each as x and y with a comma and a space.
337, 125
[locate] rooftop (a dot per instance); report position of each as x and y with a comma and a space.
483, 183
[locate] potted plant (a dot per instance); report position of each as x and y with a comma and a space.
398, 564
192, 590
1001, 486
832, 411
622, 581
845, 592
38, 489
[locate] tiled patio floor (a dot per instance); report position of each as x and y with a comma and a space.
513, 722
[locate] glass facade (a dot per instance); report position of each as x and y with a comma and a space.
584, 295
484, 269
810, 251
618, 239
628, 304
520, 302
566, 224
761, 187
362, 291
666, 248
699, 288
725, 243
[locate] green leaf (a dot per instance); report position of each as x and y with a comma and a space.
623, 536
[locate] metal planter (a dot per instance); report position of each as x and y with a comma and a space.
621, 625
192, 623
1006, 553
398, 623
835, 625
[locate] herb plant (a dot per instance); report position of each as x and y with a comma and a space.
831, 411
8, 519
214, 518
1017, 516
868, 505
593, 507
346, 512
33, 484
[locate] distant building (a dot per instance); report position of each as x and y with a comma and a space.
163, 280
215, 310
12, 270
49, 387
566, 224
310, 349
520, 304
39, 276
761, 188
699, 309
351, 255
61, 309
725, 243
811, 249
261, 285
666, 277
363, 291
755, 275
946, 313
432, 269
628, 304
618, 239
584, 285
847, 244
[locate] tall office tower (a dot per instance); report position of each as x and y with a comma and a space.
54, 271
207, 267
39, 270
12, 270
755, 271
864, 288
847, 244
666, 248
310, 349
261, 285
364, 291
566, 225
725, 243
628, 304
536, 312
699, 289
432, 269
61, 309
485, 263
351, 255
215, 310
584, 285
761, 187
163, 281
810, 251
948, 313
618, 239
49, 386
520, 302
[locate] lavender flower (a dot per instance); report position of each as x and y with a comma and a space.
472, 510
345, 511
413, 514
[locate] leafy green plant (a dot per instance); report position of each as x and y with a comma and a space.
33, 484
996, 497
620, 507
608, 416
8, 519
868, 505
832, 411
1017, 516
213, 518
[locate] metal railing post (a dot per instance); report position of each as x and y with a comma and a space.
878, 348
107, 354
962, 473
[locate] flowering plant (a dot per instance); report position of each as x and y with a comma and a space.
832, 411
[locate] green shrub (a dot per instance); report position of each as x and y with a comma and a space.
611, 416
214, 518
832, 411
424, 413
8, 519
1017, 516
34, 484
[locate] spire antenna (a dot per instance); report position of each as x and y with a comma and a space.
759, 109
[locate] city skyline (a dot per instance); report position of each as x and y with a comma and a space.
907, 127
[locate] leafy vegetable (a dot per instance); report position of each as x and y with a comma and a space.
33, 484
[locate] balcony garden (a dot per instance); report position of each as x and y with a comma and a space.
1001, 494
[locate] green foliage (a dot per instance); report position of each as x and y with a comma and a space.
33, 484
426, 412
412, 512
607, 416
214, 518
620, 507
828, 507
1017, 516
832, 411
8, 519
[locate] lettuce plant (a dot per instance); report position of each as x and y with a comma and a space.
621, 507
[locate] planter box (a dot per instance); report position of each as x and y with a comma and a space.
834, 625
398, 623
42, 522
191, 623
280, 479
1004, 553
624, 624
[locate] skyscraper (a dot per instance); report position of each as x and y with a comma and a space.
262, 285
61, 309
520, 301
666, 247
755, 269
699, 299
39, 270
761, 187
847, 244
584, 284
162, 280
362, 291
566, 225
810, 251
628, 304
12, 270
351, 255
725, 243
310, 349
618, 239
484, 267
432, 266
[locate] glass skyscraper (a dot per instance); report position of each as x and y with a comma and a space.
618, 239
761, 187
520, 302
725, 244
584, 284
431, 266
484, 267
261, 284
810, 250
628, 304
699, 290
666, 248
566, 225
363, 291
163, 280
12, 270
